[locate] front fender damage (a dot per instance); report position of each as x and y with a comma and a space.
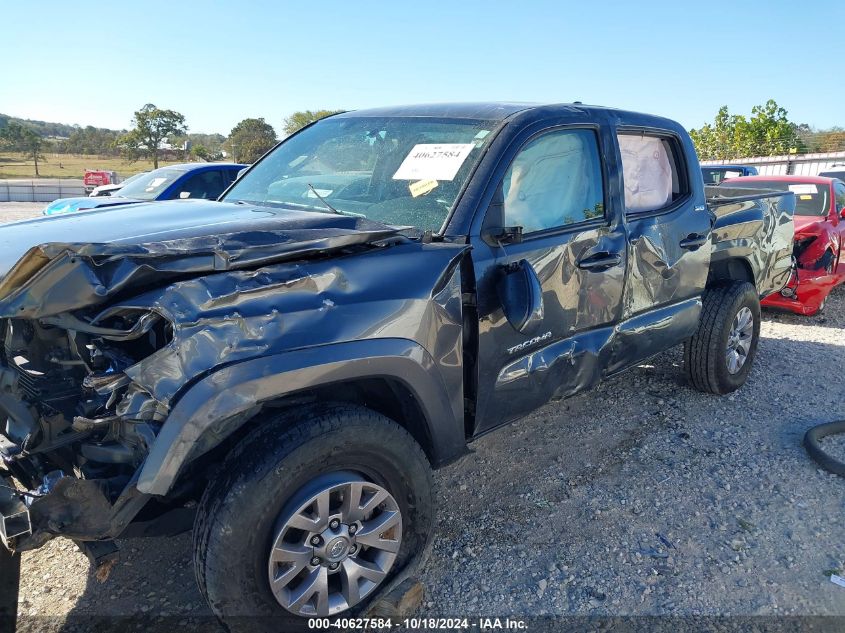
100, 341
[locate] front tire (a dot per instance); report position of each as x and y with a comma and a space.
718, 358
311, 515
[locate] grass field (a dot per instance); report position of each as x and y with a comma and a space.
69, 166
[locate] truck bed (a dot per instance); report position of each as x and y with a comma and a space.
757, 228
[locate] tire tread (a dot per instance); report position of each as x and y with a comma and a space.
703, 353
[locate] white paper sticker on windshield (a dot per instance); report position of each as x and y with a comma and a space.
430, 161
803, 188
325, 193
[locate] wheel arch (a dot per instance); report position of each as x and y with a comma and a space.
734, 268
395, 377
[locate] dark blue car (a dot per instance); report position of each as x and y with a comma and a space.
715, 174
191, 180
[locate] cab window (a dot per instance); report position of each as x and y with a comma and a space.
555, 181
651, 172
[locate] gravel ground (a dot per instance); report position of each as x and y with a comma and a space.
641, 497
13, 211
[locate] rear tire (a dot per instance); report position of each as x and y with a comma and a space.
718, 358
246, 512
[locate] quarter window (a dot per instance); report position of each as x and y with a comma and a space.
651, 172
554, 181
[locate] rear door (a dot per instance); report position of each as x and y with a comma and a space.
573, 246
669, 232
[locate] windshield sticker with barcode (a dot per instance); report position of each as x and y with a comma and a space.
430, 161
803, 188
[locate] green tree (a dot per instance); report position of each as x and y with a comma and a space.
250, 139
299, 120
201, 152
768, 132
91, 140
152, 126
23, 139
829, 140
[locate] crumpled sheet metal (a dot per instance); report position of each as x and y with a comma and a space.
409, 291
810, 292
759, 228
60, 277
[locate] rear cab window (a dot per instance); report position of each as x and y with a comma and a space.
653, 172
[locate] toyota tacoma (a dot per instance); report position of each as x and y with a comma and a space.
280, 370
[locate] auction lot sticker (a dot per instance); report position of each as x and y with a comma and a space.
803, 188
431, 161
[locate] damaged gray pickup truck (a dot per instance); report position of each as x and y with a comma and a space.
280, 370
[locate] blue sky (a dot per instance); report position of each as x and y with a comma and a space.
219, 62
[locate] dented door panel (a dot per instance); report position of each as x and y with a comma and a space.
519, 371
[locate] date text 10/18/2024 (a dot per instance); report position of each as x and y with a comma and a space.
413, 624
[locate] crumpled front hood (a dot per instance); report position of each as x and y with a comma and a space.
808, 224
54, 265
155, 222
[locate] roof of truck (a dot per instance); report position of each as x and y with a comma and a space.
483, 110
493, 111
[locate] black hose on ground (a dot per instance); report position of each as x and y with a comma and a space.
812, 442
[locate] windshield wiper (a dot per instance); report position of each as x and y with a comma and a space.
323, 200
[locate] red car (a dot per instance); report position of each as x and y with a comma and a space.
819, 238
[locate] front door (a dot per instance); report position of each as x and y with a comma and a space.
573, 246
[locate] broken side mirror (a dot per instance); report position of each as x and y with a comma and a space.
507, 235
493, 230
521, 296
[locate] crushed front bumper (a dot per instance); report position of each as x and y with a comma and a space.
806, 292
15, 522
76, 508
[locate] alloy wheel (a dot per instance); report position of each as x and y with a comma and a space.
739, 340
335, 547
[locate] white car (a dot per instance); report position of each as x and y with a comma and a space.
110, 190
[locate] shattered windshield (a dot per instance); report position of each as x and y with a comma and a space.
402, 171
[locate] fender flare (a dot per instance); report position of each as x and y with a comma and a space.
237, 388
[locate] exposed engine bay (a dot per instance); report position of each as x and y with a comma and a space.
64, 383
